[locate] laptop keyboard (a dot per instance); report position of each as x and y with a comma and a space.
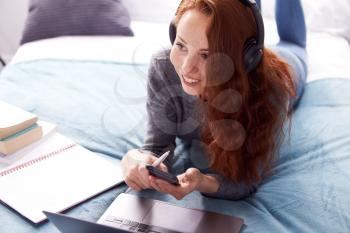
134, 226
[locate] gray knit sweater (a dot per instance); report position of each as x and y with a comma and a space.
173, 113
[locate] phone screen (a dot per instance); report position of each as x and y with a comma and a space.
172, 179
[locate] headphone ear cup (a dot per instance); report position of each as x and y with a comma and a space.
172, 31
252, 55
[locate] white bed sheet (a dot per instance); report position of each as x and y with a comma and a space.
329, 56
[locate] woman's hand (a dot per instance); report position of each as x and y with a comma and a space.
189, 181
135, 173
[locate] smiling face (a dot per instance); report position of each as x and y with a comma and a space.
190, 51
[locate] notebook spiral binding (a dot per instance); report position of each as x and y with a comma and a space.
36, 160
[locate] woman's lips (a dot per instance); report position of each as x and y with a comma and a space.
190, 81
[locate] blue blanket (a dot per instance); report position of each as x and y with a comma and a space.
102, 106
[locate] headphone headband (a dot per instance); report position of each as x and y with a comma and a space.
258, 19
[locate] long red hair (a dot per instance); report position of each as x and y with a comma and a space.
241, 142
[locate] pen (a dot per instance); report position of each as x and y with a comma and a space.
161, 159
155, 164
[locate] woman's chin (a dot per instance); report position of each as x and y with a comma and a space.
190, 90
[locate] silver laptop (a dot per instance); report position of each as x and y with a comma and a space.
129, 213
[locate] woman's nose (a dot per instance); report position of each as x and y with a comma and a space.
189, 65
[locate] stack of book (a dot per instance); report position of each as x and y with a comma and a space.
18, 128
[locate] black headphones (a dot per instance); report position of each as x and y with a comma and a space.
253, 47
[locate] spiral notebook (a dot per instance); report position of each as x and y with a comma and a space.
55, 175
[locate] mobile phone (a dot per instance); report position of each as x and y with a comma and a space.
172, 179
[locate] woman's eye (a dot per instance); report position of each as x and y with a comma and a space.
180, 46
204, 56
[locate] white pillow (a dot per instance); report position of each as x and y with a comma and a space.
152, 10
330, 16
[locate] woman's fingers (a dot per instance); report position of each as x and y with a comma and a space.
157, 185
177, 191
153, 183
134, 171
133, 185
134, 181
134, 177
191, 177
162, 186
143, 176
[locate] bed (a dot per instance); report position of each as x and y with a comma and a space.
93, 88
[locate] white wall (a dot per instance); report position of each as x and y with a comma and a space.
12, 17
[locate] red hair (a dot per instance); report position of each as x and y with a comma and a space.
241, 141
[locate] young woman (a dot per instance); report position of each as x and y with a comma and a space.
219, 85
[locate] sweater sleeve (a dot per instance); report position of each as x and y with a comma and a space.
161, 122
231, 190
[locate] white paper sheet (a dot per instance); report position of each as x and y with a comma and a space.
59, 175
